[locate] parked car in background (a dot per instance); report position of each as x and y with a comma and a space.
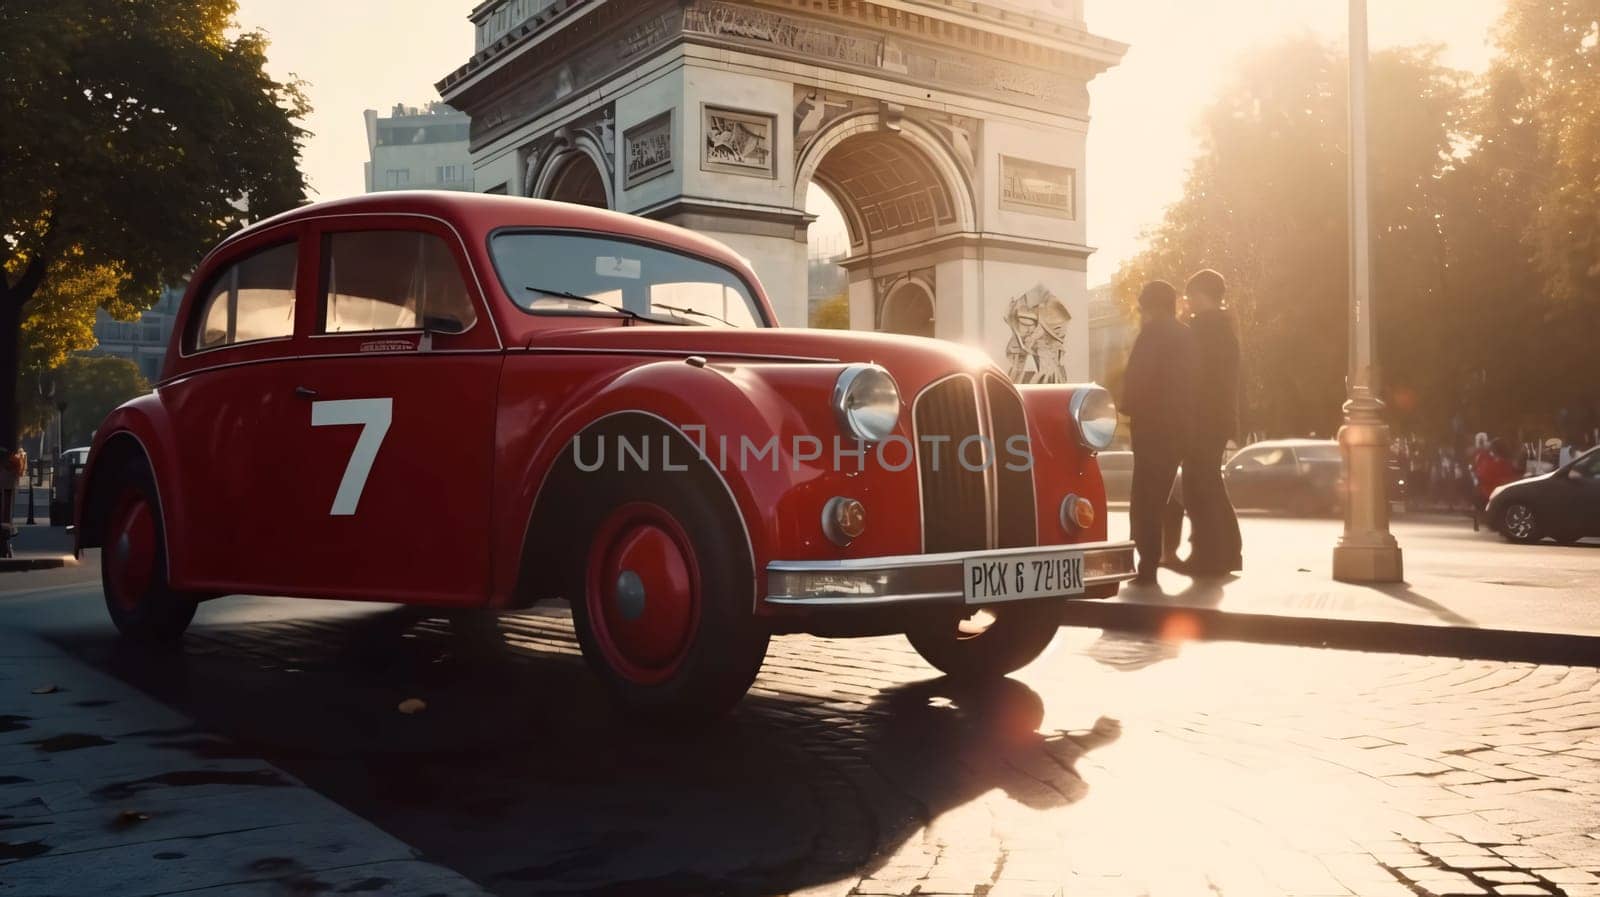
64, 479
339, 370
1563, 504
1116, 468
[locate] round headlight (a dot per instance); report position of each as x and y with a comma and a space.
1095, 414
867, 402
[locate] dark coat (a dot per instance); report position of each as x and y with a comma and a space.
1157, 387
1216, 375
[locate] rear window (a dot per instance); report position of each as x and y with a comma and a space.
577, 272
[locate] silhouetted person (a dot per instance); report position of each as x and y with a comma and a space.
1157, 399
1215, 537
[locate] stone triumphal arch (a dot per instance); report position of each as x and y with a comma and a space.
950, 135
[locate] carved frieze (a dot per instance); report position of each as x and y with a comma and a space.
1038, 187
647, 149
738, 142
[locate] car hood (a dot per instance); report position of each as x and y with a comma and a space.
1525, 481
910, 359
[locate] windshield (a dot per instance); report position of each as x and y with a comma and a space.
562, 272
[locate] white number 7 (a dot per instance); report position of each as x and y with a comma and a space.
374, 416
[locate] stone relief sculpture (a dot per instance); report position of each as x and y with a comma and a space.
648, 147
1038, 322
738, 142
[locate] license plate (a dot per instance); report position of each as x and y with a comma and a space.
1018, 577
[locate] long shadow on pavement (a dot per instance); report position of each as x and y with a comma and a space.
520, 774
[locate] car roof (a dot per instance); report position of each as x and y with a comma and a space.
1291, 443
483, 212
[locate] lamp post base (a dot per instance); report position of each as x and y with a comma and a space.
1367, 552
1368, 563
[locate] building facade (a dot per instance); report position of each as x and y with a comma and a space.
418, 149
951, 136
143, 341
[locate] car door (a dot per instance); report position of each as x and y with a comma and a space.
1584, 477
1243, 475
395, 422
228, 401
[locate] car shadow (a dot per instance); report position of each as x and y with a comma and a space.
517, 771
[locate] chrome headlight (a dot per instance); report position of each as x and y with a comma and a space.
1095, 414
867, 402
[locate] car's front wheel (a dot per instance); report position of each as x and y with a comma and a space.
133, 563
990, 642
662, 599
1520, 523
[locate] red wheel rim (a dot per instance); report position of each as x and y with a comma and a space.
643, 592
131, 551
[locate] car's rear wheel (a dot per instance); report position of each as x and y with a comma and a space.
990, 642
133, 563
662, 599
1520, 523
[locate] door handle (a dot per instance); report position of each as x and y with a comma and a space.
304, 392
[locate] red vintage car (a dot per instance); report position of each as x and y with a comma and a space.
466, 401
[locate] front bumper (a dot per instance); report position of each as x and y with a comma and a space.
922, 578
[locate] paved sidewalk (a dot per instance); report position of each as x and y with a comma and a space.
106, 791
1465, 595
39, 547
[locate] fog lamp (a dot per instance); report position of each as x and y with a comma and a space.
843, 520
1077, 513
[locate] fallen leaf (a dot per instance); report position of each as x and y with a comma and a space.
1303, 570
412, 705
131, 817
46, 690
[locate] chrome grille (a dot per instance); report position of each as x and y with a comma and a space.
1016, 524
964, 509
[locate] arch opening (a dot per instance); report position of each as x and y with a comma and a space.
907, 310
578, 179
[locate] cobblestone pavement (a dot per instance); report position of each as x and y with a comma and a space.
1112, 766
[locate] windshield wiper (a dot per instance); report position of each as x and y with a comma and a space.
578, 297
678, 309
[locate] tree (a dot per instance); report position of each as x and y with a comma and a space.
60, 322
91, 386
1550, 67
833, 313
1265, 203
133, 135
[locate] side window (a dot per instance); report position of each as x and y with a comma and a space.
391, 280
251, 300
1260, 459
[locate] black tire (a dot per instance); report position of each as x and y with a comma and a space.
1519, 523
1017, 636
142, 604
722, 654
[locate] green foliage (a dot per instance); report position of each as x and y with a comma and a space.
1465, 326
1548, 75
833, 313
92, 386
133, 131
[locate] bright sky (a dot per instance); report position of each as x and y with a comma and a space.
360, 54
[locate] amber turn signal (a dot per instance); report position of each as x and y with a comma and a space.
843, 520
1077, 513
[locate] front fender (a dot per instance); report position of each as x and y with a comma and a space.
767, 431
1062, 465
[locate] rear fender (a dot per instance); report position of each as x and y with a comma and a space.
137, 429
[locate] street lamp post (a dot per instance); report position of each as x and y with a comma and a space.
1367, 551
